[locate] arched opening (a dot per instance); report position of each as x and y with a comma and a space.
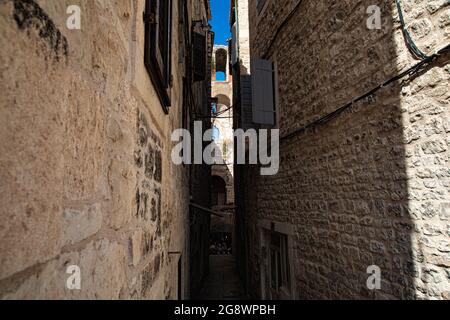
222, 99
221, 58
221, 76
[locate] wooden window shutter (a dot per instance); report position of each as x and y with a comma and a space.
246, 102
199, 56
263, 92
157, 51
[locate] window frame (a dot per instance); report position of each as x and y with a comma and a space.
157, 63
266, 230
282, 272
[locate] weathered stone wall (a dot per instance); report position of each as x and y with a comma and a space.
85, 171
372, 186
243, 29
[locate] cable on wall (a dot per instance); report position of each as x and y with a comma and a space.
408, 39
412, 70
425, 60
280, 27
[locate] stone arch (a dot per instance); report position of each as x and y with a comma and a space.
223, 172
221, 58
222, 100
220, 64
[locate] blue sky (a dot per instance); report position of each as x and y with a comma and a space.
219, 22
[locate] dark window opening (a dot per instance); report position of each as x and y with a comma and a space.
279, 262
157, 50
221, 60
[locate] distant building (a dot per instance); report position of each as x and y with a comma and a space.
222, 190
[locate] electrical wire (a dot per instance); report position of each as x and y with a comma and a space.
280, 27
408, 39
217, 115
410, 71
425, 59
221, 114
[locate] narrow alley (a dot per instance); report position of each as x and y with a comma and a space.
223, 282
224, 150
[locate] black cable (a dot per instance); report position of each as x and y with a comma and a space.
412, 70
281, 26
223, 111
409, 41
211, 117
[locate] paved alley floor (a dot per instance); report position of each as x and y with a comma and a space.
223, 282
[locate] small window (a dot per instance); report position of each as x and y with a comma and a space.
157, 51
279, 262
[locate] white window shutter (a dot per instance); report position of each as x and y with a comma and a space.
246, 102
234, 44
263, 92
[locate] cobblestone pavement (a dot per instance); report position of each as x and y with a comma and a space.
223, 282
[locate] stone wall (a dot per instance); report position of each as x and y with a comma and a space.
85, 170
243, 35
372, 186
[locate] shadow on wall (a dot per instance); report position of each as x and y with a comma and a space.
359, 190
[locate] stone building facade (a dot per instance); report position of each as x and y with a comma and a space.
86, 178
371, 186
222, 122
222, 188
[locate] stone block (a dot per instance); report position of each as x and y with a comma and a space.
78, 225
